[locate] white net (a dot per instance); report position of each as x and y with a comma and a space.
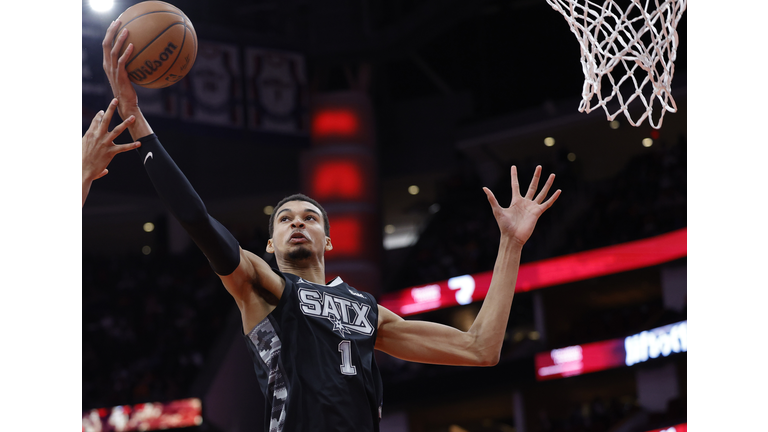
627, 54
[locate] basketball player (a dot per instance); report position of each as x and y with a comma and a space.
311, 342
99, 148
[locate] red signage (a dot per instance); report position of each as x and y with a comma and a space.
682, 427
580, 359
597, 356
144, 417
346, 234
337, 179
540, 274
335, 122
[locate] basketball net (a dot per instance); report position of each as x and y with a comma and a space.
618, 44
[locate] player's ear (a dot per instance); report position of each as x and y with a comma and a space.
328, 245
270, 247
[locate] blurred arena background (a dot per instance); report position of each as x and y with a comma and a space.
413, 106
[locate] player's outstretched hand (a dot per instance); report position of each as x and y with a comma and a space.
518, 220
99, 148
114, 66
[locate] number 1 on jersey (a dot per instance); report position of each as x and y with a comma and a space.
345, 347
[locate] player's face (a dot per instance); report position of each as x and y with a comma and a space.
299, 232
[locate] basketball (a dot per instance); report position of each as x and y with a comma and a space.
164, 43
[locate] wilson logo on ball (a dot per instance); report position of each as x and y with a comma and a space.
150, 66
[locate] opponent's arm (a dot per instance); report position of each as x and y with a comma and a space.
428, 342
240, 270
99, 147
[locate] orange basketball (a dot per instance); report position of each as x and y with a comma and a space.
164, 43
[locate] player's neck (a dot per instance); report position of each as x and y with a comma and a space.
309, 271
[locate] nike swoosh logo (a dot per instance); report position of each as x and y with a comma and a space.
149, 155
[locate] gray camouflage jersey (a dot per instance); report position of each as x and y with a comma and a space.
314, 359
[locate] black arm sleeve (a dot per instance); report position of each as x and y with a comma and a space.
216, 242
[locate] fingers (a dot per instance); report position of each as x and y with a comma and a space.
121, 127
548, 203
106, 44
113, 54
545, 190
107, 117
534, 183
491, 199
515, 185
96, 120
539, 199
121, 148
124, 58
102, 174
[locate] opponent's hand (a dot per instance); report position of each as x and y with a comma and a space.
98, 145
117, 75
518, 220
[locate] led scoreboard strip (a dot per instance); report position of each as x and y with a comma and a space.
466, 289
597, 356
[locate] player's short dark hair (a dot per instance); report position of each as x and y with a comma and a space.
299, 197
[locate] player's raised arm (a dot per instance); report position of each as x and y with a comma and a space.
427, 342
122, 89
239, 270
